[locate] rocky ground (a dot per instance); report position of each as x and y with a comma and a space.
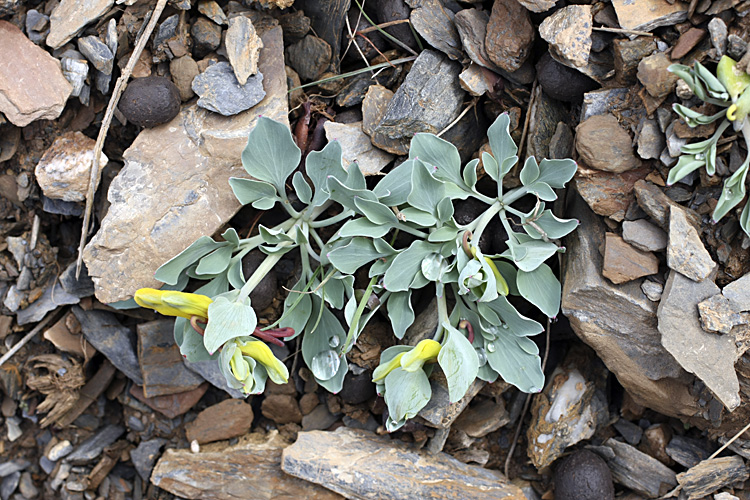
647, 375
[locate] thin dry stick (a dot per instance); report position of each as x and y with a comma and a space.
108, 115
383, 25
25, 340
458, 118
525, 407
624, 31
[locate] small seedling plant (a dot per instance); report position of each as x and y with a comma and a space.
729, 90
480, 333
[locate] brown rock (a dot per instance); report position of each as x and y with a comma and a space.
32, 85
685, 252
225, 420
628, 53
708, 476
623, 263
243, 47
173, 405
308, 402
249, 469
480, 419
657, 205
608, 194
646, 15
281, 408
309, 57
509, 35
64, 169
687, 42
183, 71
605, 145
653, 74
65, 340
568, 32
654, 442
374, 106
472, 28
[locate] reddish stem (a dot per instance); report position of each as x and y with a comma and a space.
464, 324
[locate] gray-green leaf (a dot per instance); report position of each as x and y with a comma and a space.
271, 154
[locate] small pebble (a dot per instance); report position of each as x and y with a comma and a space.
583, 475
150, 101
195, 447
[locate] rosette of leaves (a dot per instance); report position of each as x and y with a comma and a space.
417, 197
729, 90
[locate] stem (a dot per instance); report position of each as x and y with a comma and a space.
481, 197
332, 220
478, 226
317, 239
514, 195
508, 229
288, 206
264, 268
443, 318
358, 314
412, 231
297, 300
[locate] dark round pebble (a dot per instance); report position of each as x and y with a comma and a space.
263, 295
150, 101
357, 388
583, 475
561, 82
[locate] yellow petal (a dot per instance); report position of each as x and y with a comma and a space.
261, 353
382, 371
425, 350
171, 303
240, 367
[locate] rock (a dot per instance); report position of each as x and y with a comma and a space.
356, 147
480, 419
471, 25
263, 294
429, 99
651, 141
623, 263
109, 337
93, 446
561, 82
144, 456
319, 419
373, 107
655, 440
309, 57
717, 315
75, 70
206, 37
570, 409
474, 80
9, 485
686, 451
225, 420
209, 370
70, 17
202, 151
213, 11
608, 194
658, 205
396, 10
638, 471
653, 290
605, 145
568, 31
65, 340
26, 486
583, 475
32, 85
738, 293
172, 405
603, 101
631, 432
281, 408
184, 70
252, 465
653, 74
97, 53
628, 53
357, 388
163, 368
435, 24
358, 464
243, 48
150, 101
717, 28
37, 26
710, 357
686, 253
509, 35
53, 297
708, 476
562, 142
649, 14
687, 42
295, 25
220, 92
328, 18
547, 114
439, 411
644, 236
538, 5
63, 170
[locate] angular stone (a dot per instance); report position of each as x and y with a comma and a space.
206, 37
547, 114
209, 370
602, 101
718, 30
309, 57
281, 408
474, 81
644, 236
472, 28
356, 147
358, 464
163, 368
144, 456
243, 48
623, 263
738, 292
608, 194
480, 419
658, 205
65, 340
568, 31
538, 5
434, 23
295, 25
220, 92
708, 476
191, 159
570, 409
92, 447
320, 418
619, 323
651, 141
233, 472
213, 11
649, 14
653, 290
439, 411
184, 70
109, 337
429, 99
628, 53
225, 420
509, 35
687, 42
172, 405
638, 471
97, 53
686, 253
328, 18
32, 85
686, 451
605, 145
717, 315
654, 75
63, 171
709, 356
53, 297
70, 17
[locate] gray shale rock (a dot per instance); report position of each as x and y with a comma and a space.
220, 91
434, 23
70, 17
644, 236
97, 53
636, 470
686, 253
309, 57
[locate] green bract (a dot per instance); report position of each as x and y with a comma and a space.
480, 333
729, 89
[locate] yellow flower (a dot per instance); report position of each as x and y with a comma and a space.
171, 303
261, 353
410, 361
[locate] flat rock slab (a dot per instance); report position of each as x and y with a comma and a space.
709, 356
645, 15
220, 91
361, 465
70, 17
686, 253
174, 186
249, 469
32, 85
636, 470
225, 420
356, 147
710, 475
435, 24
623, 262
